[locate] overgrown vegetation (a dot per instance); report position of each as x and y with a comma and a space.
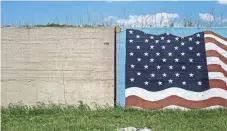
82, 118
53, 25
60, 25
97, 20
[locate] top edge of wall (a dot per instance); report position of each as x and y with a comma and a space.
60, 27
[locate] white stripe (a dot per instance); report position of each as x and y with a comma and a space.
174, 107
175, 91
183, 108
217, 61
217, 75
216, 38
212, 46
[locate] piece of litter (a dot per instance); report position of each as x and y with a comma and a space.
133, 129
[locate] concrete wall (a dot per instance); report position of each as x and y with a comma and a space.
58, 65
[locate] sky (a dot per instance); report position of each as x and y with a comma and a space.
122, 13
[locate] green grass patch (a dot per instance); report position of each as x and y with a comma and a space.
82, 118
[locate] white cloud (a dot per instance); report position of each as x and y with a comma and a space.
206, 17
110, 18
222, 1
157, 20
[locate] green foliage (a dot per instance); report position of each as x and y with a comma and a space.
172, 25
6, 26
187, 23
64, 25
82, 118
53, 25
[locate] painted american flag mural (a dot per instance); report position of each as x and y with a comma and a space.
167, 71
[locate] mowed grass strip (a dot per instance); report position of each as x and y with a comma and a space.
82, 118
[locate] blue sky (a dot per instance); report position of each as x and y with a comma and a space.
16, 13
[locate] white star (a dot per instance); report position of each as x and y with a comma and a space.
170, 54
157, 41
151, 47
168, 41
199, 67
157, 54
164, 60
191, 75
177, 74
162, 38
131, 54
164, 74
182, 43
176, 38
151, 60
145, 54
130, 31
191, 60
182, 53
145, 67
158, 67
146, 40
152, 75
146, 82
176, 60
184, 82
138, 73
163, 47
132, 66
130, 41
190, 48
138, 36
138, 59
170, 81
183, 67
198, 35
197, 54
151, 37
132, 79
159, 83
199, 83
197, 42
138, 47
190, 39
171, 67
176, 48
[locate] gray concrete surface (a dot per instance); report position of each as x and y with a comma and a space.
57, 65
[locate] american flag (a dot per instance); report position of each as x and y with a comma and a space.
168, 71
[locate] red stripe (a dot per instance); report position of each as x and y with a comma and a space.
216, 68
214, 53
216, 83
174, 100
215, 34
212, 40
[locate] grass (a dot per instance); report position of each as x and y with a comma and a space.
81, 118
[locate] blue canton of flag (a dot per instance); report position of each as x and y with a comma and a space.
158, 62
